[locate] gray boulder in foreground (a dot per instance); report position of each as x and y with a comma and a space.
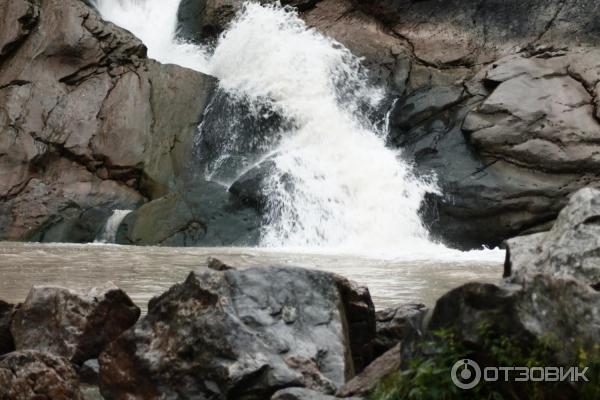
571, 249
73, 324
26, 375
240, 334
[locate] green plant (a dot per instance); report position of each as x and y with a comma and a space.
427, 377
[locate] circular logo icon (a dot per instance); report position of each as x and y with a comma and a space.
465, 374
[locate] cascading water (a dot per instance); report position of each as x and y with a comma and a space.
335, 184
109, 232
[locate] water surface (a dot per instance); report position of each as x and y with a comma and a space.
144, 272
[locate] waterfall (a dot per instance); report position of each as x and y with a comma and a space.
109, 232
335, 183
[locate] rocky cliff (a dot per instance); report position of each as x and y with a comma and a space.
498, 99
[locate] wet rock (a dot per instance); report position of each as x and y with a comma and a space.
88, 122
303, 394
6, 315
240, 334
75, 325
395, 325
542, 308
204, 215
37, 375
569, 250
365, 383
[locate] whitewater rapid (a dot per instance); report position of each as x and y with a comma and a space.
336, 186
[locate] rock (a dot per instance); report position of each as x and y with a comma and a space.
303, 394
6, 315
395, 325
365, 383
89, 124
217, 265
71, 324
240, 334
204, 215
37, 375
542, 308
205, 19
359, 313
569, 250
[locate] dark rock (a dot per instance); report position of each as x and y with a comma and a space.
304, 394
240, 334
217, 265
569, 250
542, 308
395, 325
89, 124
365, 383
359, 313
72, 324
6, 315
205, 215
37, 375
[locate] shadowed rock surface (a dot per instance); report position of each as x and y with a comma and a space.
235, 334
37, 375
71, 324
395, 325
6, 315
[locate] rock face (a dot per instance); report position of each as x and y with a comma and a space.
6, 315
37, 375
366, 382
71, 324
206, 215
239, 334
569, 250
395, 325
88, 124
484, 102
304, 394
563, 311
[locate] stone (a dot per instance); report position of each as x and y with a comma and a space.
397, 324
6, 315
89, 123
204, 215
37, 375
569, 250
240, 334
73, 324
565, 312
366, 382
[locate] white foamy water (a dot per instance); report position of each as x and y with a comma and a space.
337, 187
109, 232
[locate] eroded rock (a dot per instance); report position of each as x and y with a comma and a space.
37, 375
240, 334
571, 249
72, 324
6, 315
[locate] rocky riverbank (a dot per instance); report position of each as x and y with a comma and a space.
290, 333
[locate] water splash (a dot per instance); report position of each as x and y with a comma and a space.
109, 232
335, 184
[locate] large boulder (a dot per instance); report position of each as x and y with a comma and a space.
240, 334
72, 324
571, 249
88, 123
205, 215
398, 324
6, 315
36, 375
541, 309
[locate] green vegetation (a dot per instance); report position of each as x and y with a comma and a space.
428, 377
